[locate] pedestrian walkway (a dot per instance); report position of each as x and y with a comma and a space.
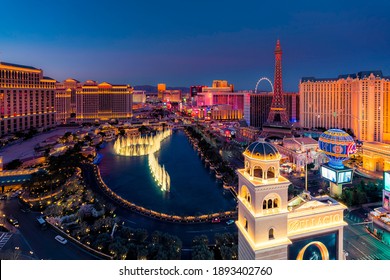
4, 237
369, 174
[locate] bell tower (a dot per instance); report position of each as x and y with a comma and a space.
262, 205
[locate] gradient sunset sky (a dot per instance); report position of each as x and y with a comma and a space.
184, 43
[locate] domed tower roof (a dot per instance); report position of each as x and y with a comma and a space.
262, 150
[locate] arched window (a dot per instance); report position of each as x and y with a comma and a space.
269, 203
271, 233
276, 203
264, 204
245, 194
246, 224
271, 172
258, 172
247, 168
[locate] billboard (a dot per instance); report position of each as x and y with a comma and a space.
337, 176
386, 198
344, 177
328, 174
322, 247
386, 179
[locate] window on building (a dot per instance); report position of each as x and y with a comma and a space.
271, 234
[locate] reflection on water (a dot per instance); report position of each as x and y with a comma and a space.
194, 189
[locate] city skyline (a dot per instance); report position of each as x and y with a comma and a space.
183, 44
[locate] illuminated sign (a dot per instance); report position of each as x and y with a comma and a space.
337, 176
344, 177
351, 149
298, 225
386, 200
322, 247
386, 177
323, 251
328, 174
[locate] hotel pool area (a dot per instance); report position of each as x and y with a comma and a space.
194, 189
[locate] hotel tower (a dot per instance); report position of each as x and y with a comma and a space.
26, 99
103, 102
65, 101
358, 101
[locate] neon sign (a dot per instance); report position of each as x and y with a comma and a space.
351, 148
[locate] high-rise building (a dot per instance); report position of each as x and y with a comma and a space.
26, 98
71, 86
62, 103
195, 89
139, 99
160, 90
172, 95
219, 86
222, 102
221, 93
360, 102
260, 104
102, 102
272, 227
65, 99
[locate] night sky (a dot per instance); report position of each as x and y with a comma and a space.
184, 43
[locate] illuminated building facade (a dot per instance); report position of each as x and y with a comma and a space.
260, 104
220, 102
65, 99
359, 101
139, 99
220, 112
219, 86
102, 102
272, 228
195, 89
160, 90
26, 98
301, 150
376, 156
173, 95
248, 133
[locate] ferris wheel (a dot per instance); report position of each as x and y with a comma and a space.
264, 79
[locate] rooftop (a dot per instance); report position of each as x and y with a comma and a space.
262, 150
305, 201
301, 140
359, 75
18, 65
48, 78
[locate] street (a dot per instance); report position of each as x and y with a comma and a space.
360, 244
34, 242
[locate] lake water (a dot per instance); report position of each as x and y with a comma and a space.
194, 188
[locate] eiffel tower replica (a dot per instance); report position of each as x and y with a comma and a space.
277, 122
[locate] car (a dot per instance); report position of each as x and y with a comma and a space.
60, 239
216, 220
230, 222
13, 221
15, 195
